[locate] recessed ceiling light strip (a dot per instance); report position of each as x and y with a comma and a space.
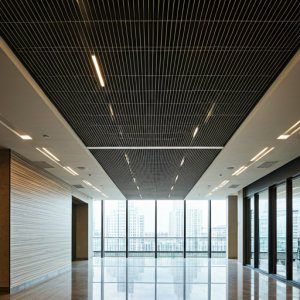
290, 131
98, 70
52, 157
14, 129
218, 187
90, 185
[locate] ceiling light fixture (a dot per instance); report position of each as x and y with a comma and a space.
182, 162
218, 187
111, 111
262, 153
14, 129
98, 70
237, 171
90, 185
46, 154
290, 131
72, 171
51, 154
195, 132
127, 159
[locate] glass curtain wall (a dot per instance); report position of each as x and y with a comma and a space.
252, 231
170, 222
281, 229
218, 228
115, 228
296, 230
141, 232
97, 228
263, 217
196, 228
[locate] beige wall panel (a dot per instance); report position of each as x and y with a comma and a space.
41, 208
4, 218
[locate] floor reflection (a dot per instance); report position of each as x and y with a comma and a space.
161, 278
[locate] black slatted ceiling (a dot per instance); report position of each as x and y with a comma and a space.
169, 67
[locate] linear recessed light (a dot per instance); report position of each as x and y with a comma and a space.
218, 187
182, 162
195, 132
14, 129
265, 153
72, 171
98, 70
127, 159
290, 131
237, 171
51, 154
46, 154
254, 158
90, 185
111, 110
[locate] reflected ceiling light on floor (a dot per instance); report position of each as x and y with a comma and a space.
176, 178
172, 188
218, 187
195, 132
289, 132
51, 154
14, 129
182, 162
127, 159
138, 187
134, 179
98, 70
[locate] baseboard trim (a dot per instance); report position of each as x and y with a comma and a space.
77, 259
37, 280
5, 290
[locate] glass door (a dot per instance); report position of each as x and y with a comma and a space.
296, 230
263, 212
281, 229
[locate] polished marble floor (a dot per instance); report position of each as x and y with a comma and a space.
162, 278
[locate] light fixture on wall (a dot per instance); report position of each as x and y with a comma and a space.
290, 131
14, 129
98, 70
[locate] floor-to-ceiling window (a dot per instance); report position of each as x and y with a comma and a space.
218, 228
263, 217
141, 231
97, 228
115, 228
281, 229
296, 229
252, 231
196, 228
170, 222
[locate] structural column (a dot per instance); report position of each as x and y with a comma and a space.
232, 227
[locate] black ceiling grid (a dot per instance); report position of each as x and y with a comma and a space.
169, 67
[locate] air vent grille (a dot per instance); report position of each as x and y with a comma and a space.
267, 164
43, 164
234, 186
78, 186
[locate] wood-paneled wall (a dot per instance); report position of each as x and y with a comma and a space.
41, 221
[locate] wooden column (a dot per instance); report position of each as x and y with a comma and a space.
232, 227
5, 220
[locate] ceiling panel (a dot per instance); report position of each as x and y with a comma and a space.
169, 67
